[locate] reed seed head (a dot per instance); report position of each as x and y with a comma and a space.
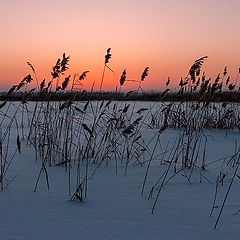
108, 56
123, 77
145, 73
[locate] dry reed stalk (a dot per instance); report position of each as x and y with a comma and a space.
149, 163
107, 58
227, 193
215, 197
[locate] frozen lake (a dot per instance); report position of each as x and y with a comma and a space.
111, 153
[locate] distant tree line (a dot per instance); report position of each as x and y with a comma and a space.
224, 96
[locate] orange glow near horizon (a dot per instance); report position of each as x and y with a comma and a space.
165, 36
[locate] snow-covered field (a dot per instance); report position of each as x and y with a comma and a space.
114, 207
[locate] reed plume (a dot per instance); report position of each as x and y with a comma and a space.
145, 73
65, 82
106, 61
168, 81
196, 67
33, 69
123, 77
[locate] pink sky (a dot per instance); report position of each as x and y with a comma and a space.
167, 36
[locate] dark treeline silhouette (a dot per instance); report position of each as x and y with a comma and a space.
225, 96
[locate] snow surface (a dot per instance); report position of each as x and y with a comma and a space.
114, 208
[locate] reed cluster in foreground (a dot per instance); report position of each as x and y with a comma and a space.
69, 129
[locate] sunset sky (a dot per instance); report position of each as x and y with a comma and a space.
165, 35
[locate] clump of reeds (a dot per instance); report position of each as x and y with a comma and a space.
106, 61
81, 136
